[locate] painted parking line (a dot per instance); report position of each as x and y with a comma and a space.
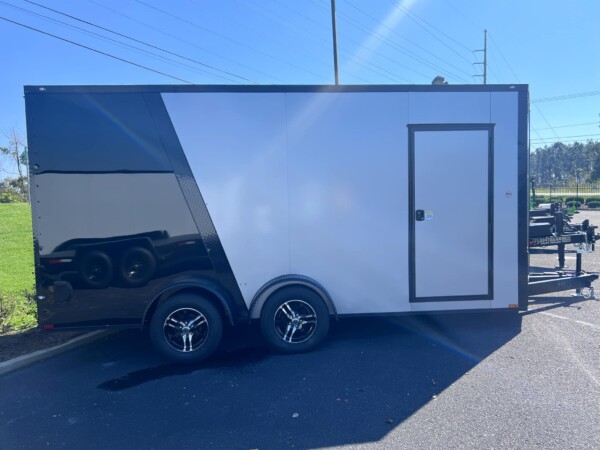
580, 322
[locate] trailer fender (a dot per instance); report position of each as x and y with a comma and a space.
204, 288
289, 280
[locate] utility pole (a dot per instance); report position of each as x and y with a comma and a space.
335, 56
484, 58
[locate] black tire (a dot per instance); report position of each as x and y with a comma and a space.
294, 306
168, 325
137, 266
96, 269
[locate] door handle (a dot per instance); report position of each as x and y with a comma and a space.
420, 215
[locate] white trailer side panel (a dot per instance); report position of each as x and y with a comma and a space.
236, 147
316, 184
348, 196
346, 225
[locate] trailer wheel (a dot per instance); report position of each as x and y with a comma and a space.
294, 320
137, 266
186, 328
96, 269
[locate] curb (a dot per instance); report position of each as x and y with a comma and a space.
39, 355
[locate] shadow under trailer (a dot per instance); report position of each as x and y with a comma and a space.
187, 209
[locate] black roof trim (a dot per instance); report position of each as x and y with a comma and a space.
277, 88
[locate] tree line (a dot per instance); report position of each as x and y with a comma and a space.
561, 164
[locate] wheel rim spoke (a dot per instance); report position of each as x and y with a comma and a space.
184, 337
307, 316
294, 328
287, 311
191, 323
190, 336
287, 331
172, 325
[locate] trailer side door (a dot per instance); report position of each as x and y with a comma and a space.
450, 212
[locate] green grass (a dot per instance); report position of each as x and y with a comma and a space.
17, 311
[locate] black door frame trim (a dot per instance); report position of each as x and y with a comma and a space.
412, 129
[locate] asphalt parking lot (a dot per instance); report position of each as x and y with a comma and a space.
446, 381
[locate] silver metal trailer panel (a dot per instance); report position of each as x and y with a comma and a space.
320, 184
347, 199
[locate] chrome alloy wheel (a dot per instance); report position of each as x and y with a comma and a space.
185, 329
295, 321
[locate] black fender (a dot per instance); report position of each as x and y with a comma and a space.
289, 280
212, 291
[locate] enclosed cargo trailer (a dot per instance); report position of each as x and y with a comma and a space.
182, 208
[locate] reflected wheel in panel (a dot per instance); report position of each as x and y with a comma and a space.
137, 266
96, 269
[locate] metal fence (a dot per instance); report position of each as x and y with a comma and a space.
562, 191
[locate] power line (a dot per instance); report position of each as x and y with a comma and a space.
195, 25
460, 13
545, 120
574, 136
404, 37
323, 43
258, 31
192, 44
398, 48
494, 68
571, 126
412, 13
280, 20
139, 41
364, 61
566, 97
116, 42
302, 14
95, 50
570, 141
391, 44
493, 41
408, 12
384, 41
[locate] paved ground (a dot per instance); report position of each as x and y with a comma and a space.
453, 381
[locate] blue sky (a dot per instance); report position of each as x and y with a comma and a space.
552, 46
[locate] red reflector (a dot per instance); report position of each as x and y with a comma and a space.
48, 327
58, 261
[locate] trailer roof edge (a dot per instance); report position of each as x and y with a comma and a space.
40, 89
